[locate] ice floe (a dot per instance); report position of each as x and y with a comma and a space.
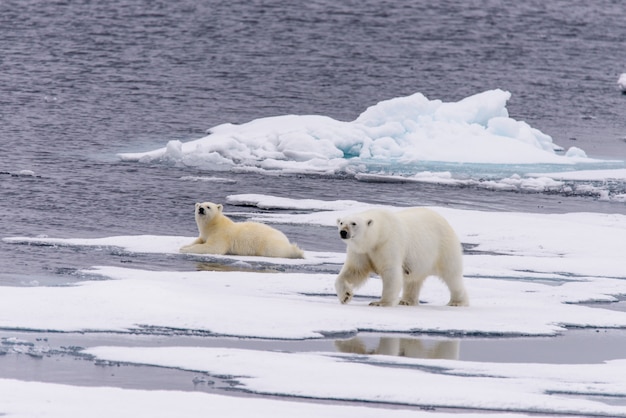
527, 275
539, 388
37, 399
398, 132
549, 263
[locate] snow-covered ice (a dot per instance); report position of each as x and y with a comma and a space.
405, 381
402, 131
35, 399
581, 253
473, 142
527, 274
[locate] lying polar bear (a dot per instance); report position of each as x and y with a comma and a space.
404, 248
220, 235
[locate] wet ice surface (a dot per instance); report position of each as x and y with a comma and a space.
540, 299
60, 359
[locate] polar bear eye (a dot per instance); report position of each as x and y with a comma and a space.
353, 223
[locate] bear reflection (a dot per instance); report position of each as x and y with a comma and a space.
238, 266
404, 347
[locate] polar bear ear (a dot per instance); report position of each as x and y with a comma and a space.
338, 221
219, 207
370, 222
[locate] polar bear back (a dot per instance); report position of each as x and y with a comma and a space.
426, 240
431, 239
253, 238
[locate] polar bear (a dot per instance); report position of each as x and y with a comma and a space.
403, 248
220, 235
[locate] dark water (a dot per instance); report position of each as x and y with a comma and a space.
81, 81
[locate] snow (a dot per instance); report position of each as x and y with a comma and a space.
402, 131
34, 399
527, 275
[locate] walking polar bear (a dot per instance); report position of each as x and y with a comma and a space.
403, 248
220, 235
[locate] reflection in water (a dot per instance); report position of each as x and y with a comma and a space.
236, 266
404, 347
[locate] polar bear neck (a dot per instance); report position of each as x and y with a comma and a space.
218, 222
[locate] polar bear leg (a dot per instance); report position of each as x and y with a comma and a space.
392, 283
450, 270
458, 294
411, 291
185, 248
354, 273
344, 289
193, 248
206, 248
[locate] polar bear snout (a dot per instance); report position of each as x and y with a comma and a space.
347, 229
200, 210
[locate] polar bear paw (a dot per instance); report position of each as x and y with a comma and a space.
346, 297
380, 303
458, 299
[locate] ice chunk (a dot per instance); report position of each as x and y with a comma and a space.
404, 131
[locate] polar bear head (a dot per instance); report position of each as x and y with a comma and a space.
207, 208
354, 229
206, 211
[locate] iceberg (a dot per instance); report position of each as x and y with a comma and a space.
399, 132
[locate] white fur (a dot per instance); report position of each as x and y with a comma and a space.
403, 248
220, 235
